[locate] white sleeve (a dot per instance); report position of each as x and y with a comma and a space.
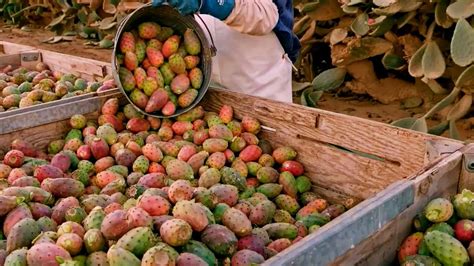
254, 17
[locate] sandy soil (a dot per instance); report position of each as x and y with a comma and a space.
362, 107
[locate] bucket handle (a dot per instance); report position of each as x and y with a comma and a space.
213, 45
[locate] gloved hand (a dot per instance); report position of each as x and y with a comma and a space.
220, 9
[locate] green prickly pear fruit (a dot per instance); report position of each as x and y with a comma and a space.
177, 64
439, 210
76, 214
267, 175
303, 184
281, 230
209, 178
161, 252
94, 241
17, 258
287, 203
464, 204
288, 181
107, 133
141, 164
137, 240
442, 227
270, 190
220, 239
447, 249
283, 154
177, 169
187, 98
47, 224
314, 218
191, 42
219, 211
196, 77
176, 232
94, 219
97, 258
421, 260
139, 98
122, 257
282, 216
237, 222
127, 79
231, 177
199, 249
262, 213
253, 168
22, 234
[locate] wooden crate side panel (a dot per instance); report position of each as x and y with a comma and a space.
352, 227
380, 248
10, 59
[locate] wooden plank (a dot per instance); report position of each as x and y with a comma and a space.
381, 247
352, 227
10, 59
372, 138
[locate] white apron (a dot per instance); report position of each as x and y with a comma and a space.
254, 65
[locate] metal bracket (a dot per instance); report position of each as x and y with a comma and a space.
468, 162
30, 56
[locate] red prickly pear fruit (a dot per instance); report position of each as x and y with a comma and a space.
154, 72
251, 242
244, 206
125, 157
110, 107
89, 130
84, 152
134, 147
185, 259
220, 240
4, 171
139, 98
115, 225
250, 138
199, 123
176, 232
111, 119
226, 114
14, 158
130, 60
180, 190
73, 145
60, 209
191, 61
15, 174
251, 125
280, 244
294, 167
158, 221
171, 46
187, 98
148, 30
227, 194
137, 217
157, 101
237, 222
156, 168
127, 42
136, 125
221, 132
112, 207
315, 206
8, 203
71, 227
106, 177
252, 182
61, 161
153, 180
46, 254
262, 213
288, 181
152, 137
215, 145
250, 153
140, 76
180, 84
155, 124
63, 187
196, 77
197, 160
200, 136
99, 148
247, 257
229, 155
177, 169
24, 146
26, 181
180, 127
177, 64
186, 152
283, 154
70, 242
103, 164
146, 63
410, 246
153, 204
19, 213
169, 108
464, 231
192, 43
192, 213
216, 160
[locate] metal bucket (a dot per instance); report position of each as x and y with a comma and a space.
169, 17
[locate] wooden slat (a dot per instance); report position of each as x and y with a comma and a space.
10, 59
381, 247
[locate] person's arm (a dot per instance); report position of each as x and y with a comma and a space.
255, 17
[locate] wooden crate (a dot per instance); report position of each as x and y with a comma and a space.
26, 56
365, 165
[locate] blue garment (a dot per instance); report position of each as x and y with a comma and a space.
284, 29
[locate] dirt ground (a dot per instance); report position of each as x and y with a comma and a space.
362, 107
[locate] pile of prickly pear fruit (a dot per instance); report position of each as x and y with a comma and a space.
132, 190
444, 233
21, 87
159, 69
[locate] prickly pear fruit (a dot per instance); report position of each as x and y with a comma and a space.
171, 46
280, 244
283, 154
115, 225
267, 175
231, 177
17, 258
16, 215
46, 254
196, 76
463, 230
410, 246
447, 249
22, 234
191, 42
288, 181
270, 190
185, 259
176, 232
120, 256
180, 190
220, 239
94, 241
137, 240
153, 204
287, 203
192, 213
63, 187
94, 219
464, 204
127, 42
247, 257
439, 210
70, 242
262, 213
161, 252
281, 230
177, 169
47, 171
237, 222
137, 217
227, 194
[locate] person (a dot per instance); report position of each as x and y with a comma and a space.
255, 43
